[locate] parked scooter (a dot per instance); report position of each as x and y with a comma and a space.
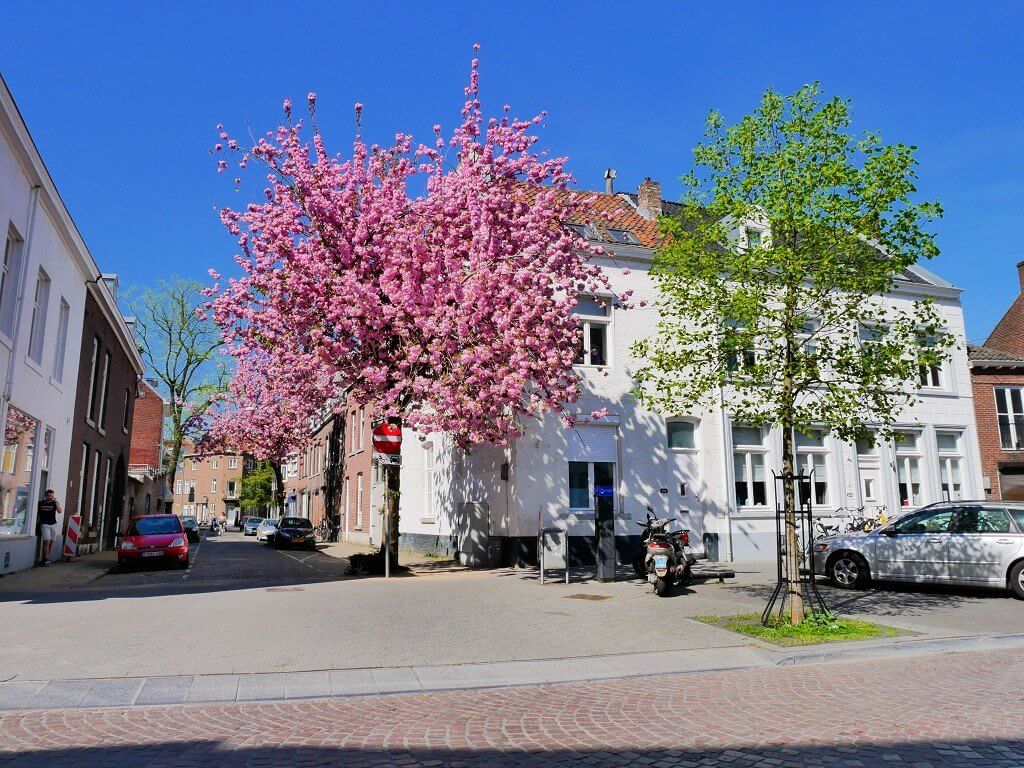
664, 558
214, 527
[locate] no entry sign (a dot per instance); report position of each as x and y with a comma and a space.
387, 438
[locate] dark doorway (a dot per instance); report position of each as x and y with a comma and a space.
604, 519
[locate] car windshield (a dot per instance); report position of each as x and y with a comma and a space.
188, 520
146, 526
296, 522
270, 523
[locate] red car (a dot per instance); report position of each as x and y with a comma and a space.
154, 538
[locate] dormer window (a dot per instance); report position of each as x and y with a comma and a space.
585, 231
623, 236
754, 237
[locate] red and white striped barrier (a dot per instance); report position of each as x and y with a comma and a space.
71, 540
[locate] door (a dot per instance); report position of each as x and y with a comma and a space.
683, 500
604, 518
982, 544
917, 547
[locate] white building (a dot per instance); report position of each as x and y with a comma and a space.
42, 297
713, 476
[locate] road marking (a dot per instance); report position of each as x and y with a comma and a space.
192, 560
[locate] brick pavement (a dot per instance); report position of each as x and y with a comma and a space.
928, 712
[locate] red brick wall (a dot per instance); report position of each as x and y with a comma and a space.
206, 502
983, 382
358, 461
147, 427
1008, 335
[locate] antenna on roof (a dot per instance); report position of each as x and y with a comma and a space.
609, 181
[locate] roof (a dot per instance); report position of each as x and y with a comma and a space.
988, 357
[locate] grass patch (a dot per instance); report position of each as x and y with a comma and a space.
823, 628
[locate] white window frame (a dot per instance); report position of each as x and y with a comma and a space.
60, 348
101, 416
359, 501
805, 461
214, 463
931, 378
10, 276
213, 485
82, 477
233, 463
1015, 419
950, 460
429, 483
362, 428
590, 486
587, 321
683, 420
37, 329
92, 496
748, 451
904, 462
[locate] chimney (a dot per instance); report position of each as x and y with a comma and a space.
111, 281
648, 196
609, 181
1020, 274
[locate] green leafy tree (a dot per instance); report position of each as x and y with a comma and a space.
180, 348
257, 491
771, 283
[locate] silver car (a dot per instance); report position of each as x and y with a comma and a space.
267, 529
972, 543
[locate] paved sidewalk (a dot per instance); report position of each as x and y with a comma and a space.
946, 711
63, 574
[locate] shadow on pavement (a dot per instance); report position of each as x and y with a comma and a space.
855, 750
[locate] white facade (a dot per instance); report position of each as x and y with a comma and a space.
43, 302
466, 498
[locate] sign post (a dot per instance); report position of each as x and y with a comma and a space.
387, 443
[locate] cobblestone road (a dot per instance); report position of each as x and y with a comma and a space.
938, 711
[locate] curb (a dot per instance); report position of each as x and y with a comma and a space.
227, 688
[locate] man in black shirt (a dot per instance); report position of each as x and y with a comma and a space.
49, 508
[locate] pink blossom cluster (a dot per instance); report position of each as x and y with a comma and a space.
433, 283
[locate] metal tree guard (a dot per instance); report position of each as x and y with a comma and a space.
805, 538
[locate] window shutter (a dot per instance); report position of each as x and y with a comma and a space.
591, 443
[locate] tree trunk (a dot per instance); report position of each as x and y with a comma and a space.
278, 488
795, 597
334, 476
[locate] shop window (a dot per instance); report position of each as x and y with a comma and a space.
15, 478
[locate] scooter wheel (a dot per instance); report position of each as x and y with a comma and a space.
661, 587
686, 577
640, 566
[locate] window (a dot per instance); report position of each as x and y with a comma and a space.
81, 479
352, 432
811, 459
214, 464
193, 462
233, 463
867, 446
213, 485
590, 481
1010, 414
429, 482
47, 459
681, 435
177, 487
20, 435
361, 427
754, 237
978, 519
93, 366
930, 375
37, 331
95, 489
126, 415
949, 465
584, 230
594, 317
102, 417
61, 346
623, 236
359, 500
930, 521
579, 485
739, 357
908, 469
9, 282
231, 488
748, 465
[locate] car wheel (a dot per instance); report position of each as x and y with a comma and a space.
1017, 580
848, 570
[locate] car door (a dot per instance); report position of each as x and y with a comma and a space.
982, 544
915, 547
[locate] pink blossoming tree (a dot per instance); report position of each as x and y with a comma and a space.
436, 283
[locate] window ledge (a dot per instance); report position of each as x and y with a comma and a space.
428, 520
34, 365
6, 340
56, 384
683, 450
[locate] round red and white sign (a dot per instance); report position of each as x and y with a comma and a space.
387, 438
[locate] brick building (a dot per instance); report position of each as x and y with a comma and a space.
109, 370
210, 485
147, 491
997, 378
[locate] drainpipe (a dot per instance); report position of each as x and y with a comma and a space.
20, 282
729, 481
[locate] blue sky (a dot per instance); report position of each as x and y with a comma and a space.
123, 99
